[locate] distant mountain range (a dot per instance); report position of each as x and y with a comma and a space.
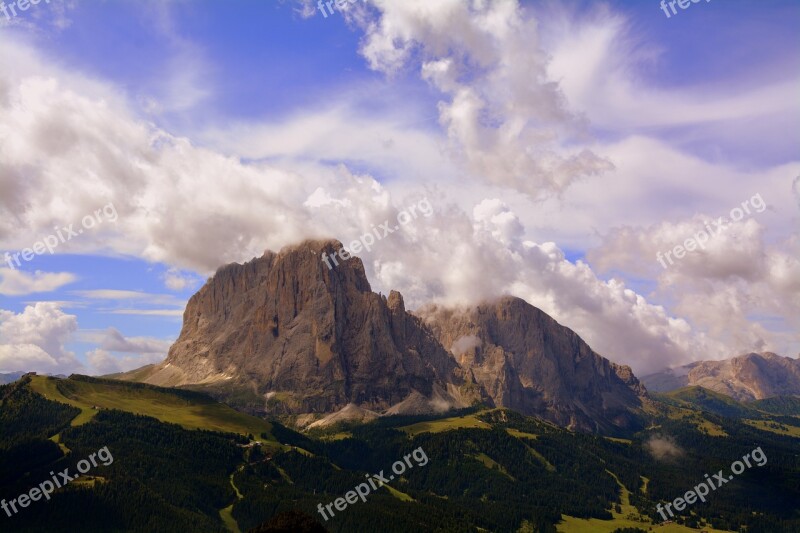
286, 335
748, 377
10, 377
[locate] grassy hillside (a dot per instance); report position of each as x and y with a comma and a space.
188, 409
709, 401
445, 424
485, 470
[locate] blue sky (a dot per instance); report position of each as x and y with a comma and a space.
220, 130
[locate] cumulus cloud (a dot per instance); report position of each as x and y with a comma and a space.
459, 251
35, 339
506, 121
720, 286
17, 283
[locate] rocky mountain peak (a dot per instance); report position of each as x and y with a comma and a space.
309, 338
529, 362
751, 376
313, 340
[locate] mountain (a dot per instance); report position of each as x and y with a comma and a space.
286, 335
528, 362
10, 377
752, 376
309, 339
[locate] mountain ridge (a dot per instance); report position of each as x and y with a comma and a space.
746, 377
313, 340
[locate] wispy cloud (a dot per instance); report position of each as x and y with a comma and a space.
134, 302
176, 280
125, 295
19, 283
148, 312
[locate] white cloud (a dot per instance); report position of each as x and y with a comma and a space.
143, 301
743, 291
118, 353
114, 341
34, 340
104, 362
600, 63
149, 312
17, 283
505, 120
114, 294
449, 260
177, 281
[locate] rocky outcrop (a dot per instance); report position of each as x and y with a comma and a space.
527, 361
310, 339
752, 376
291, 335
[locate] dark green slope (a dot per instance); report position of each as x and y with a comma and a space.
162, 478
492, 470
779, 405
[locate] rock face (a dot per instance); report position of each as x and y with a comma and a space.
308, 339
752, 376
311, 339
527, 361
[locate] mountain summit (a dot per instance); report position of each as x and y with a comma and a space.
527, 361
309, 340
752, 376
